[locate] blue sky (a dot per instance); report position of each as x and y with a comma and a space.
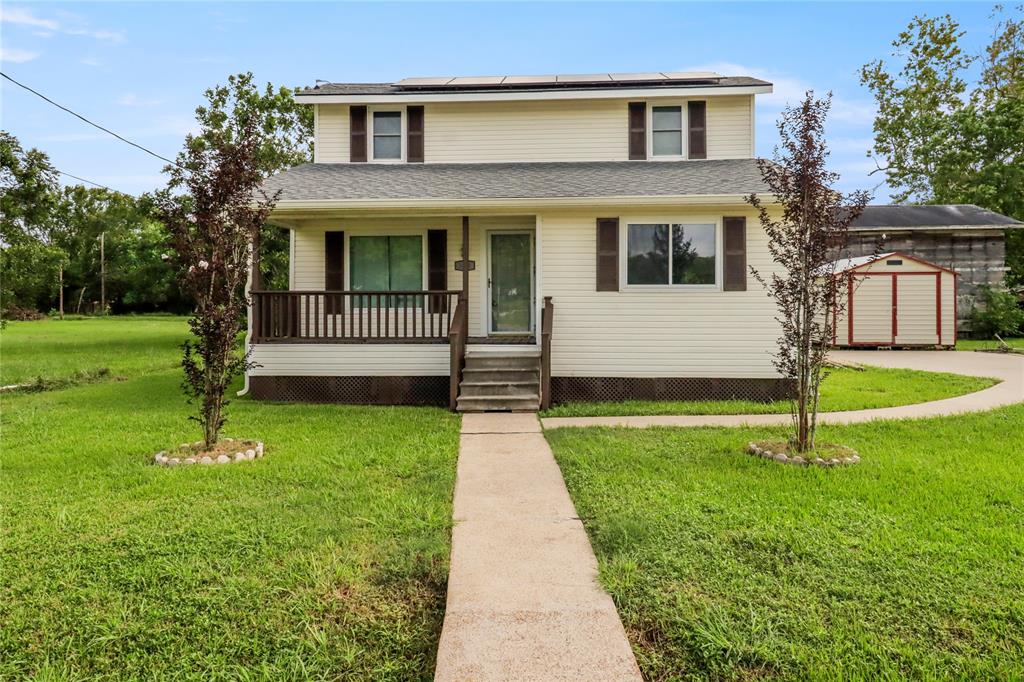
140, 68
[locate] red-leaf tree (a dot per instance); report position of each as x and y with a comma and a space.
804, 240
213, 210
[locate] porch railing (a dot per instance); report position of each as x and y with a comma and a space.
353, 316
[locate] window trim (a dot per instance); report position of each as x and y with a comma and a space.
625, 222
371, 112
684, 123
683, 104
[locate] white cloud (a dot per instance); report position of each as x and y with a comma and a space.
788, 90
91, 61
16, 56
112, 36
23, 17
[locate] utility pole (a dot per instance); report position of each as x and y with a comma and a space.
103, 277
60, 272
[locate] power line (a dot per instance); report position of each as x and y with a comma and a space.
83, 118
96, 184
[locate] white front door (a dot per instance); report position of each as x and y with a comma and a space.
510, 282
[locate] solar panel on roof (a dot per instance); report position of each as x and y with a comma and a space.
631, 77
436, 80
653, 77
476, 80
528, 80
583, 78
692, 75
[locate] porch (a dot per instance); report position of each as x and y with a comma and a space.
493, 304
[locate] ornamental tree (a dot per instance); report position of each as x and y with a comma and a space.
213, 209
804, 241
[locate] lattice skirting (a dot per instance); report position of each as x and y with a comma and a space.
352, 390
594, 389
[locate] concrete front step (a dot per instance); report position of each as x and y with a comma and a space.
499, 403
472, 389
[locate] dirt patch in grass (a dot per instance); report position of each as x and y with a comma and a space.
40, 384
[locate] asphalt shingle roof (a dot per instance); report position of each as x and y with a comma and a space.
368, 181
931, 216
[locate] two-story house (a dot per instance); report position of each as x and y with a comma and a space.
500, 242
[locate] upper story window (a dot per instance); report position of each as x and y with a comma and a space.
387, 135
667, 254
667, 131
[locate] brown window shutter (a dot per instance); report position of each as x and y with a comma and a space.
334, 261
437, 268
607, 254
414, 134
357, 134
697, 115
735, 254
637, 131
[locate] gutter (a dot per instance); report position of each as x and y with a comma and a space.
464, 205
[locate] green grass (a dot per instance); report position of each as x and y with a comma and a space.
987, 344
724, 566
327, 559
57, 349
844, 389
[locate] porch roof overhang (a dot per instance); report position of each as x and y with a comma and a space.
479, 187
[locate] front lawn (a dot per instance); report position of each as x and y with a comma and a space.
843, 389
57, 349
327, 559
988, 344
907, 565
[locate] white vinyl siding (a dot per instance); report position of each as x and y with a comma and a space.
576, 130
592, 130
730, 124
642, 333
332, 133
631, 333
350, 359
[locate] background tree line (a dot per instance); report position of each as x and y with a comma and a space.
50, 235
949, 129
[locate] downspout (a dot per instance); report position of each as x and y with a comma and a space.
251, 282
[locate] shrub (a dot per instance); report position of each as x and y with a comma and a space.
1000, 314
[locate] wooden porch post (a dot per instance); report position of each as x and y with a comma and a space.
257, 279
464, 294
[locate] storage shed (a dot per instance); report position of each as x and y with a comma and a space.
893, 299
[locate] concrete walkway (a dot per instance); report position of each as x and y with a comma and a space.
523, 597
1008, 368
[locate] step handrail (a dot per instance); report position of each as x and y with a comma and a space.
547, 320
457, 334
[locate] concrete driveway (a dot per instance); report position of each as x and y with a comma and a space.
1007, 367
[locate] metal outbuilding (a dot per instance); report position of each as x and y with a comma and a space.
893, 299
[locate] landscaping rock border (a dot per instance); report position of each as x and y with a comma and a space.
781, 457
247, 451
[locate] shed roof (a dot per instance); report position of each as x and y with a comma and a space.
467, 181
844, 264
931, 216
